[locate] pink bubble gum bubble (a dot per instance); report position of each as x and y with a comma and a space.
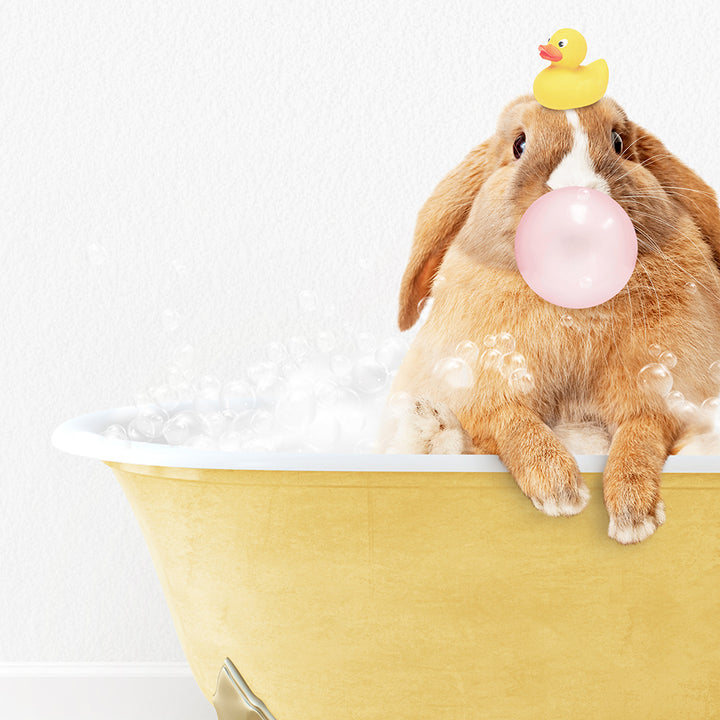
576, 247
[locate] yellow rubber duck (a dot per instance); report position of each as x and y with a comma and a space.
567, 84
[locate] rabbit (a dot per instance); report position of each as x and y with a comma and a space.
582, 365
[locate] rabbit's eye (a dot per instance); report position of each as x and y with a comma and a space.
519, 145
617, 142
562, 43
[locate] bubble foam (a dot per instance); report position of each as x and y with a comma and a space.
324, 393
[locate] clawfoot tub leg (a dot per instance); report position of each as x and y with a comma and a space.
234, 700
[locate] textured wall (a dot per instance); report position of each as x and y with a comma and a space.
268, 148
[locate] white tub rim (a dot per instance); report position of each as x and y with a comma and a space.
82, 436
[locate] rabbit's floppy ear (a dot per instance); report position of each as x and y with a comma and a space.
682, 184
439, 221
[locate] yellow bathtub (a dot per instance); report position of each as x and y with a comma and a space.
422, 587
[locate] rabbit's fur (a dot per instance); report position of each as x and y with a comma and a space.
584, 365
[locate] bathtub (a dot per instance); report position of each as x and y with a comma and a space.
361, 587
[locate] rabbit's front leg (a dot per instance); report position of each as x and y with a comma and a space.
541, 465
631, 481
423, 426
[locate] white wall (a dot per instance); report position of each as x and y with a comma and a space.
269, 147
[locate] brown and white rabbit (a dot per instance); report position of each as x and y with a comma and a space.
583, 364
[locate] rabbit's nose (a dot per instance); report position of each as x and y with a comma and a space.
576, 168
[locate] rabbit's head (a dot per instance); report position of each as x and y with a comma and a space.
536, 150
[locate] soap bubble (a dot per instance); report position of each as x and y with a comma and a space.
453, 371
522, 380
325, 341
232, 440
262, 421
323, 433
686, 412
369, 376
214, 424
439, 282
511, 362
207, 395
655, 378
260, 444
711, 407
234, 420
166, 396
135, 432
263, 375
690, 288
349, 412
566, 320
326, 393
201, 442
655, 350
715, 372
299, 347
467, 351
308, 370
365, 342
505, 343
668, 359
117, 434
284, 369
276, 352
341, 366
400, 403
366, 446
237, 395
674, 399
181, 427
490, 341
274, 393
297, 408
424, 307
491, 358
150, 421
314, 401
391, 352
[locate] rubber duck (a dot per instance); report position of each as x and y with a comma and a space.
567, 84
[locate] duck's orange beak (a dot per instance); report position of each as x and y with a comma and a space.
550, 52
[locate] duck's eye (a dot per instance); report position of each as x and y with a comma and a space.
562, 43
617, 142
519, 145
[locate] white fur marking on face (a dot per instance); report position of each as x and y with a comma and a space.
576, 168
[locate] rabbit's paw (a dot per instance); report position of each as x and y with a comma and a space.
633, 502
630, 526
566, 499
428, 427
